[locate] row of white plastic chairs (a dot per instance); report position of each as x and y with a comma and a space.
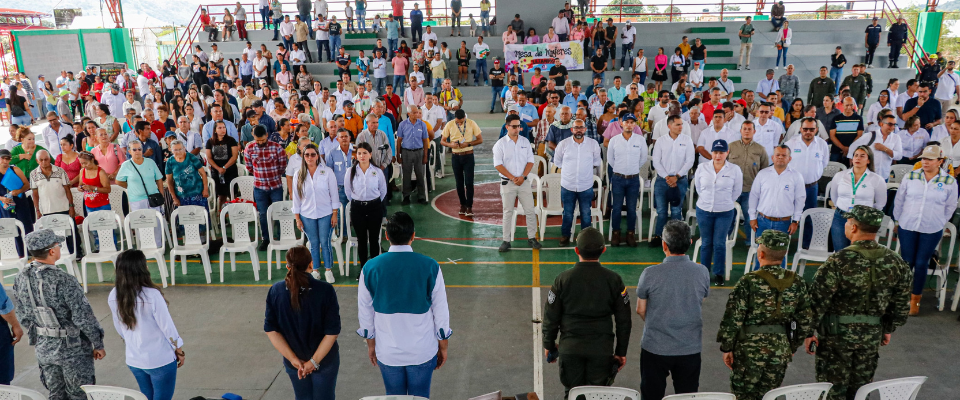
94, 392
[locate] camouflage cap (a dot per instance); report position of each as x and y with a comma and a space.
865, 214
590, 239
774, 240
42, 239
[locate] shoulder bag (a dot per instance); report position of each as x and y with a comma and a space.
155, 199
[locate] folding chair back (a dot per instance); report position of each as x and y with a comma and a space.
893, 389
242, 185
603, 393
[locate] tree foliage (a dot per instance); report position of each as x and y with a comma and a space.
629, 7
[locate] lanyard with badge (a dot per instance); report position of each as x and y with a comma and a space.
856, 185
463, 131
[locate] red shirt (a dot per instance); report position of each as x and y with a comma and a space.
205, 19
267, 164
397, 8
158, 129
707, 110
393, 105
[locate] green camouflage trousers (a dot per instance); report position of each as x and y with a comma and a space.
847, 364
758, 367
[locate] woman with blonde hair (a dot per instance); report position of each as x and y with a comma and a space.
316, 203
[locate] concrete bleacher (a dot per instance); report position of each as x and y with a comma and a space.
812, 44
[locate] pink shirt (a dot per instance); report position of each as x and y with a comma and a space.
400, 65
509, 37
548, 39
110, 162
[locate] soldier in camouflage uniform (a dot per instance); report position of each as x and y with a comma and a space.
58, 320
762, 325
859, 297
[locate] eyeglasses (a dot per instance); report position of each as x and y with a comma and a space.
808, 129
515, 126
133, 150
311, 155
890, 123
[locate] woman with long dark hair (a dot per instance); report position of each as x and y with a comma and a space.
365, 187
154, 349
20, 113
302, 321
222, 153
857, 185
316, 203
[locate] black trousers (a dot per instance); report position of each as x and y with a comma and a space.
871, 49
586, 370
366, 217
895, 48
303, 46
463, 173
654, 369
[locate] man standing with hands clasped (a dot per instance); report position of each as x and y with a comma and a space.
585, 297
576, 157
513, 159
764, 321
627, 152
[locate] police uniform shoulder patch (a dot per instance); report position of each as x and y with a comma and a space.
551, 297
625, 295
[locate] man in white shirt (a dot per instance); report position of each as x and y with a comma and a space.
725, 84
626, 153
250, 51
777, 197
286, 32
810, 156
767, 86
696, 77
260, 66
948, 88
513, 159
732, 120
192, 142
216, 56
430, 35
715, 131
627, 36
662, 127
297, 58
887, 145
341, 95
769, 131
913, 86
434, 116
481, 52
561, 26
659, 110
697, 123
576, 158
114, 100
673, 156
52, 133
414, 94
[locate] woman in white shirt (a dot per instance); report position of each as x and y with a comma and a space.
154, 349
365, 187
951, 143
930, 196
677, 63
858, 185
914, 139
640, 66
784, 37
316, 203
883, 103
940, 132
719, 184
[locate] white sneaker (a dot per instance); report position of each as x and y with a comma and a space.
621, 68
776, 68
329, 276
739, 68
437, 174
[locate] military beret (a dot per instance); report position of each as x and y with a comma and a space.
42, 239
774, 240
866, 215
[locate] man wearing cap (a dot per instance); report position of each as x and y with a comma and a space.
593, 346
871, 38
948, 88
764, 321
626, 153
114, 100
859, 298
896, 37
497, 74
461, 135
57, 319
576, 157
627, 38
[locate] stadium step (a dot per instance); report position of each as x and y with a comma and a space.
719, 66
715, 42
368, 35
709, 29
719, 53
355, 47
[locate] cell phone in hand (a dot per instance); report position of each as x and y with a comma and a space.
812, 348
552, 355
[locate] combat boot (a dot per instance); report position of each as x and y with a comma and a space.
915, 304
615, 240
631, 239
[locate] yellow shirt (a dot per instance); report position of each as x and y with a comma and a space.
457, 134
779, 113
684, 49
292, 148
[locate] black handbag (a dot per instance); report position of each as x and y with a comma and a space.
155, 199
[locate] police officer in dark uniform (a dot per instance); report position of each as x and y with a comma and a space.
579, 304
896, 37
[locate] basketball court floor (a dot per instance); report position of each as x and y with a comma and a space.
495, 299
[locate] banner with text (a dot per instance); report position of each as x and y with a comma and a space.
542, 55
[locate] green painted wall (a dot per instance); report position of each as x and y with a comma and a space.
929, 25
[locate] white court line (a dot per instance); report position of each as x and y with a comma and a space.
537, 344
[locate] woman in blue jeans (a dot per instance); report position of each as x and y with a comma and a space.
719, 184
154, 349
302, 321
316, 201
837, 61
858, 185
926, 200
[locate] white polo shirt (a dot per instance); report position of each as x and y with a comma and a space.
930, 204
673, 156
710, 134
810, 160
870, 190
626, 156
768, 135
512, 155
777, 195
576, 162
718, 190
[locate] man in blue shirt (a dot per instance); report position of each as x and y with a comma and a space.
574, 97
339, 159
262, 117
393, 28
414, 142
217, 114
416, 23
525, 130
528, 112
871, 38
246, 69
10, 334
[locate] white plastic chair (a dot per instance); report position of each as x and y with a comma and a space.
886, 231
62, 225
242, 185
432, 164
190, 218
534, 181
942, 270
103, 224
822, 219
809, 391
213, 204
78, 202
116, 200
394, 398
603, 393
100, 392
752, 253
241, 169
19, 393
702, 396
241, 216
893, 389
898, 171
10, 230
829, 171
281, 212
548, 200
140, 225
539, 164
731, 241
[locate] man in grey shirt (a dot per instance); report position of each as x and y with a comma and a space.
669, 299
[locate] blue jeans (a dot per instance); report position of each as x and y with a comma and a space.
318, 231
157, 383
837, 235
626, 59
703, 63
777, 22
264, 12
570, 200
391, 47
629, 188
276, 27
714, 227
811, 202
485, 20
413, 380
660, 201
784, 52
350, 25
341, 192
361, 21
379, 84
399, 82
321, 384
335, 45
399, 19
764, 224
495, 94
23, 120
643, 77
836, 74
264, 198
321, 44
309, 21
916, 249
287, 43
481, 73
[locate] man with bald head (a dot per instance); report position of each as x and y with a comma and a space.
844, 129
560, 131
